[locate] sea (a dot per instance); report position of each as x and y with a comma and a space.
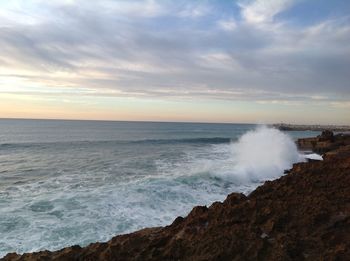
65, 182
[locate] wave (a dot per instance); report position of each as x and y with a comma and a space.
213, 140
130, 193
263, 154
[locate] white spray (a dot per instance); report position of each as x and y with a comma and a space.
264, 154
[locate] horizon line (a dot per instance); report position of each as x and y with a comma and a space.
140, 121
186, 122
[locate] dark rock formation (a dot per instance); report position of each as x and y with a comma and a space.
304, 215
325, 142
326, 135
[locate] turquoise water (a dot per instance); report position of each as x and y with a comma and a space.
77, 182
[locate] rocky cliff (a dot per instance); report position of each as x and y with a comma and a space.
304, 215
325, 142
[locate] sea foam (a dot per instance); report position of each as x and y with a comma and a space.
83, 192
263, 154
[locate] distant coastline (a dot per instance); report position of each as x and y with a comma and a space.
300, 127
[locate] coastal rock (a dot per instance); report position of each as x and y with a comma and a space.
342, 152
304, 215
325, 142
326, 135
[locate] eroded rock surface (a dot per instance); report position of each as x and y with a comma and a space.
325, 142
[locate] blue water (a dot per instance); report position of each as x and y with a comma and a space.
77, 182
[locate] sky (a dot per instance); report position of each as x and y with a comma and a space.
247, 61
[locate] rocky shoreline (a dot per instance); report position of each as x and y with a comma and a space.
304, 215
325, 142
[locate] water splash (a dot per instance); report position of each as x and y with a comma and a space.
264, 154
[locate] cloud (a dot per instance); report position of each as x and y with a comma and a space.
167, 49
259, 11
194, 11
228, 24
341, 104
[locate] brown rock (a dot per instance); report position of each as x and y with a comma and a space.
325, 142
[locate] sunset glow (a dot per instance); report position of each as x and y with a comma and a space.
211, 61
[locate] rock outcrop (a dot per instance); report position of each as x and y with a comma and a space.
325, 142
304, 215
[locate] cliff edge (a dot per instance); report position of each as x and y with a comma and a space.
325, 142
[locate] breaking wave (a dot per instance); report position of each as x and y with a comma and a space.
78, 192
262, 154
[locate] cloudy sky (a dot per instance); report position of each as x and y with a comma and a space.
200, 60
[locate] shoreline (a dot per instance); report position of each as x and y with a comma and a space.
301, 127
306, 205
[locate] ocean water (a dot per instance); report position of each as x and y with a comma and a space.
77, 182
